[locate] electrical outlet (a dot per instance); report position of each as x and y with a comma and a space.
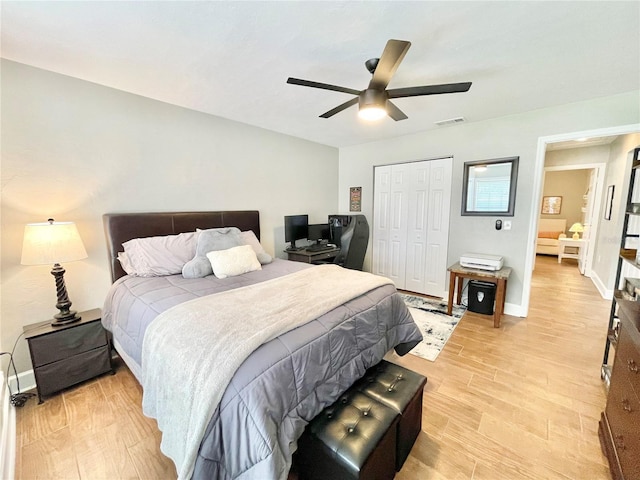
507, 224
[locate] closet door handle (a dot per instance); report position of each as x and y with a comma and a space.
632, 365
626, 406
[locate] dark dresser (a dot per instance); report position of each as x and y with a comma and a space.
619, 428
66, 355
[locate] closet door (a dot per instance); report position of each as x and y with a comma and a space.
381, 221
411, 224
417, 245
390, 222
438, 213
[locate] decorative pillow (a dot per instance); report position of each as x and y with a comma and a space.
158, 256
234, 261
249, 238
210, 240
554, 235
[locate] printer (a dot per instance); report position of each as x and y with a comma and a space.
481, 261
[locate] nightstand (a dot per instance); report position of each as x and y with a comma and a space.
569, 242
70, 354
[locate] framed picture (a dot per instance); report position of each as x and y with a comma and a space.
355, 199
551, 205
609, 203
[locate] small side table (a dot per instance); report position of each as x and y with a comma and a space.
66, 355
569, 242
499, 278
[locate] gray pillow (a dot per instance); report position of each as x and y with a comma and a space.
210, 240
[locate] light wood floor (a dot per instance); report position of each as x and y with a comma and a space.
519, 402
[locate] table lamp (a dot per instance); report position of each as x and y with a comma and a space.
576, 228
49, 243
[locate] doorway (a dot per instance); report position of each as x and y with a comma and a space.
588, 199
543, 143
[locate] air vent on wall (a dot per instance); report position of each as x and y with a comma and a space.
450, 121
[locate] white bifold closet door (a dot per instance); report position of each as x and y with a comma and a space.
411, 224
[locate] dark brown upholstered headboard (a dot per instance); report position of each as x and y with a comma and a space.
122, 227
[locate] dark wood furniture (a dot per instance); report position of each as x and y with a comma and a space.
499, 278
619, 428
66, 355
312, 256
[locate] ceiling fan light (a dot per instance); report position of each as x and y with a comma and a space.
372, 105
372, 113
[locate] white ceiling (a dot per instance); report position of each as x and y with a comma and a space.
232, 59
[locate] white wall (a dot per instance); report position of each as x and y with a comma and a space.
515, 135
73, 150
608, 244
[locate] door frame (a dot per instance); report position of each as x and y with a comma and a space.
538, 174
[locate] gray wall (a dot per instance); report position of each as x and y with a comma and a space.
74, 150
515, 135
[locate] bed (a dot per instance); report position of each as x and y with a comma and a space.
252, 426
549, 230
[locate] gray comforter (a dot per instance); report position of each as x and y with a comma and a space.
285, 382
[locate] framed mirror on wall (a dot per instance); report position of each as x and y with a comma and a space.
489, 187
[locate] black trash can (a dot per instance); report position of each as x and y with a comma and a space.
481, 296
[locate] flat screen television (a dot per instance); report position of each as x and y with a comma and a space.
319, 232
295, 228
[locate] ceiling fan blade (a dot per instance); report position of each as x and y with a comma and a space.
429, 90
395, 113
339, 108
323, 86
393, 53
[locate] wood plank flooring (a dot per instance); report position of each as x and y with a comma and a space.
518, 402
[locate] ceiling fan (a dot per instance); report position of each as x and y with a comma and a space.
374, 101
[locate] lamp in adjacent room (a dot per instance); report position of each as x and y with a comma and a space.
49, 243
577, 229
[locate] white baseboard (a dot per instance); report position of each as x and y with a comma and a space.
605, 293
514, 310
7, 433
27, 381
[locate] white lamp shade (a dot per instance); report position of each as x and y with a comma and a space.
576, 227
51, 242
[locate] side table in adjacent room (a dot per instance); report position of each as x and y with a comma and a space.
66, 355
563, 243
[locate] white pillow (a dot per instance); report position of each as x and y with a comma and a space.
249, 238
233, 261
158, 256
125, 263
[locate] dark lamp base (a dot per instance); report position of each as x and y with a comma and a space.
59, 320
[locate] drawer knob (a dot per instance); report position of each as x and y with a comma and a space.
619, 439
626, 406
632, 365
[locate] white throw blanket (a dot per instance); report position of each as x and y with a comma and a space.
191, 351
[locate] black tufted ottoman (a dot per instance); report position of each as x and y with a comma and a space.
401, 390
355, 438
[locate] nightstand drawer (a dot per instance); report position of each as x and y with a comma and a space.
53, 347
65, 373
